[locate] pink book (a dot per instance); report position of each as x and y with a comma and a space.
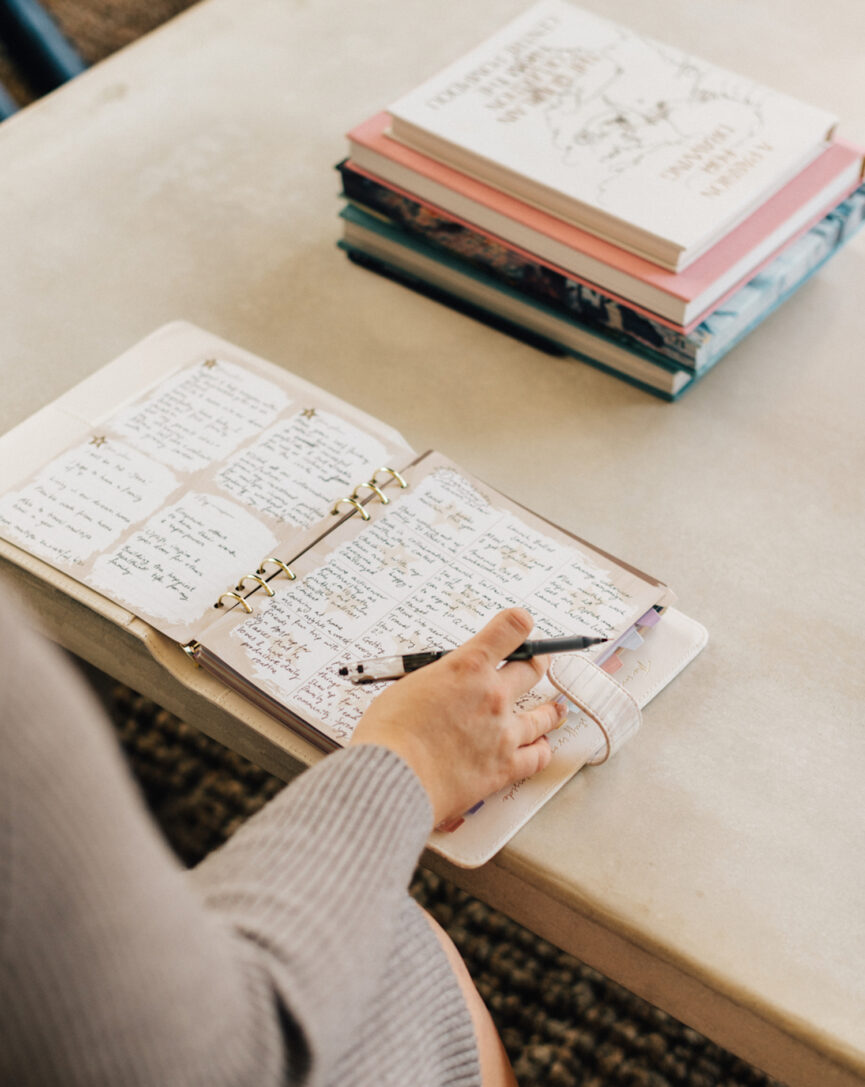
680, 300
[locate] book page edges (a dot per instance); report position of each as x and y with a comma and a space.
119, 644
684, 307
669, 253
633, 274
524, 320
38, 580
501, 303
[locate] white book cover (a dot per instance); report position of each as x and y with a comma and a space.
631, 139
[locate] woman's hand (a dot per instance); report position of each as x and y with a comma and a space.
454, 722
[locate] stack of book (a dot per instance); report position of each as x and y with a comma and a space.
601, 194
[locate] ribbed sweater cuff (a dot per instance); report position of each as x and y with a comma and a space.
316, 881
362, 807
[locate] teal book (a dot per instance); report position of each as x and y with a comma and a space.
389, 251
385, 248
697, 350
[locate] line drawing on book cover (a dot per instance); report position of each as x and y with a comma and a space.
611, 107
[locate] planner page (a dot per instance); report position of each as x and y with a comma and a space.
173, 504
425, 572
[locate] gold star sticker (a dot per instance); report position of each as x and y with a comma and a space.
308, 413
209, 364
98, 441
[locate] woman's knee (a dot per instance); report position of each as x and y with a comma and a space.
496, 1069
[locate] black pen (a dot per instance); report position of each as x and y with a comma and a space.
381, 668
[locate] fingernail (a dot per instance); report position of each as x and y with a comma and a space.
564, 707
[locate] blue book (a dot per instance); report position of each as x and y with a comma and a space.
697, 350
378, 244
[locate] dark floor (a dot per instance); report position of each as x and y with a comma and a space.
563, 1023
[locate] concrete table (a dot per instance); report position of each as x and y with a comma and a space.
715, 866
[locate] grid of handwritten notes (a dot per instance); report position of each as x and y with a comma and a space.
165, 506
428, 573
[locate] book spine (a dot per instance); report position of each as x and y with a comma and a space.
731, 323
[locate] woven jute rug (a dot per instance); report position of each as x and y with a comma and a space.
563, 1023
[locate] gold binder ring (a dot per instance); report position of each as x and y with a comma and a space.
190, 649
236, 597
278, 562
353, 502
384, 498
254, 577
391, 472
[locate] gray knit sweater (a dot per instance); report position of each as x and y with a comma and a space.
293, 954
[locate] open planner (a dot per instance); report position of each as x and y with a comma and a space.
277, 533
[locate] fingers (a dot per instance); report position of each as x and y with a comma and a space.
520, 676
536, 723
502, 634
531, 759
534, 753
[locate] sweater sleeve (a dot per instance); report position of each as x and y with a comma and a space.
117, 966
317, 883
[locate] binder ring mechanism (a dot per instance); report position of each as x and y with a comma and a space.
258, 576
237, 598
373, 485
281, 567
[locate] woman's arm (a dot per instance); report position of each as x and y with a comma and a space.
267, 963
